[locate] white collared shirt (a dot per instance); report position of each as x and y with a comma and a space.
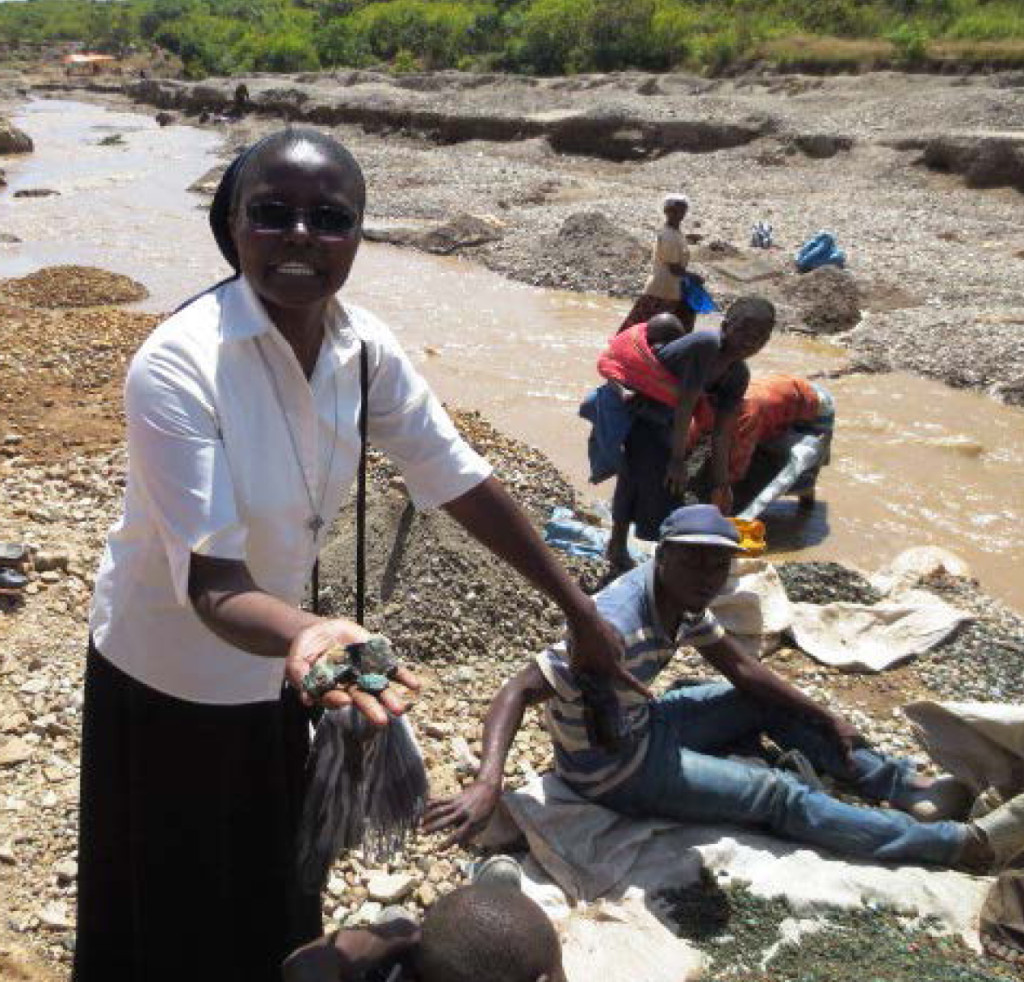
212, 470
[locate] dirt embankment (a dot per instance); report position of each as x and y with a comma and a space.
558, 182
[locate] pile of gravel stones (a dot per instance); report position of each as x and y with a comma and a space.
984, 659
73, 286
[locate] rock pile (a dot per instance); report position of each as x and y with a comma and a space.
13, 140
73, 286
828, 300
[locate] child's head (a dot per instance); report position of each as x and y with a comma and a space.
747, 326
488, 934
675, 206
663, 328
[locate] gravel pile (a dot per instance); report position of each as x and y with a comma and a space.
829, 300
984, 660
73, 286
824, 583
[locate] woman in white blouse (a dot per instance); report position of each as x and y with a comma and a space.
242, 414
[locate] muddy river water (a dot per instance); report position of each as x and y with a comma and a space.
913, 461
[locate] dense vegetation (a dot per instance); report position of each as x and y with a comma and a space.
219, 37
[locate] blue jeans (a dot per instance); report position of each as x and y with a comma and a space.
681, 778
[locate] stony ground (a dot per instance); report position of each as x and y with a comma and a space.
465, 623
737, 928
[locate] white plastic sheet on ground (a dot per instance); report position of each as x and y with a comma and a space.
980, 743
598, 873
753, 606
862, 638
914, 565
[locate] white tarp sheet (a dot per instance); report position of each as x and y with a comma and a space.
981, 743
862, 638
581, 852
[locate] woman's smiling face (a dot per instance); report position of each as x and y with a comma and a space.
297, 223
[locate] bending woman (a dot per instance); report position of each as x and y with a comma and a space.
710, 376
242, 414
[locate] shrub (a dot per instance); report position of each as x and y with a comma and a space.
438, 32
910, 43
405, 63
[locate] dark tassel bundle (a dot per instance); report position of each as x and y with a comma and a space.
366, 789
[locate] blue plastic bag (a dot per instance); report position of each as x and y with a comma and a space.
820, 250
697, 298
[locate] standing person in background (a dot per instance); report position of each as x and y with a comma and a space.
663, 292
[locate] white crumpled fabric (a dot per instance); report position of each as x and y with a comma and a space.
863, 638
753, 606
981, 743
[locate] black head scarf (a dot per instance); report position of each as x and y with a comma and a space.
249, 161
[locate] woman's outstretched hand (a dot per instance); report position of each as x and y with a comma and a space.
312, 642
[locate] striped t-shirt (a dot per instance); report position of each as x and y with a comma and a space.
629, 605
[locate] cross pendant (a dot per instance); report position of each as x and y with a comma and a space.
315, 524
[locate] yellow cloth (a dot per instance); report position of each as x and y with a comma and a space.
670, 248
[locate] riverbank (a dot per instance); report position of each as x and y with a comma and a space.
464, 622
558, 182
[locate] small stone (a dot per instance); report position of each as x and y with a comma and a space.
50, 576
426, 895
15, 723
367, 914
7, 856
50, 561
67, 871
390, 888
437, 873
15, 751
55, 916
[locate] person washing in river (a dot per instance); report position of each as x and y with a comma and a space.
777, 412
664, 291
672, 762
702, 376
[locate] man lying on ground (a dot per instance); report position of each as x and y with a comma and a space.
488, 932
671, 763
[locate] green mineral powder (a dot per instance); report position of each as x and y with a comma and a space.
873, 943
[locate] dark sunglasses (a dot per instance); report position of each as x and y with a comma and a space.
325, 220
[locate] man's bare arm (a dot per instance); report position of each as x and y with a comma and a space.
756, 680
675, 473
467, 813
489, 514
349, 954
721, 443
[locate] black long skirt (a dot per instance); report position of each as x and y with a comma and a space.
189, 813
